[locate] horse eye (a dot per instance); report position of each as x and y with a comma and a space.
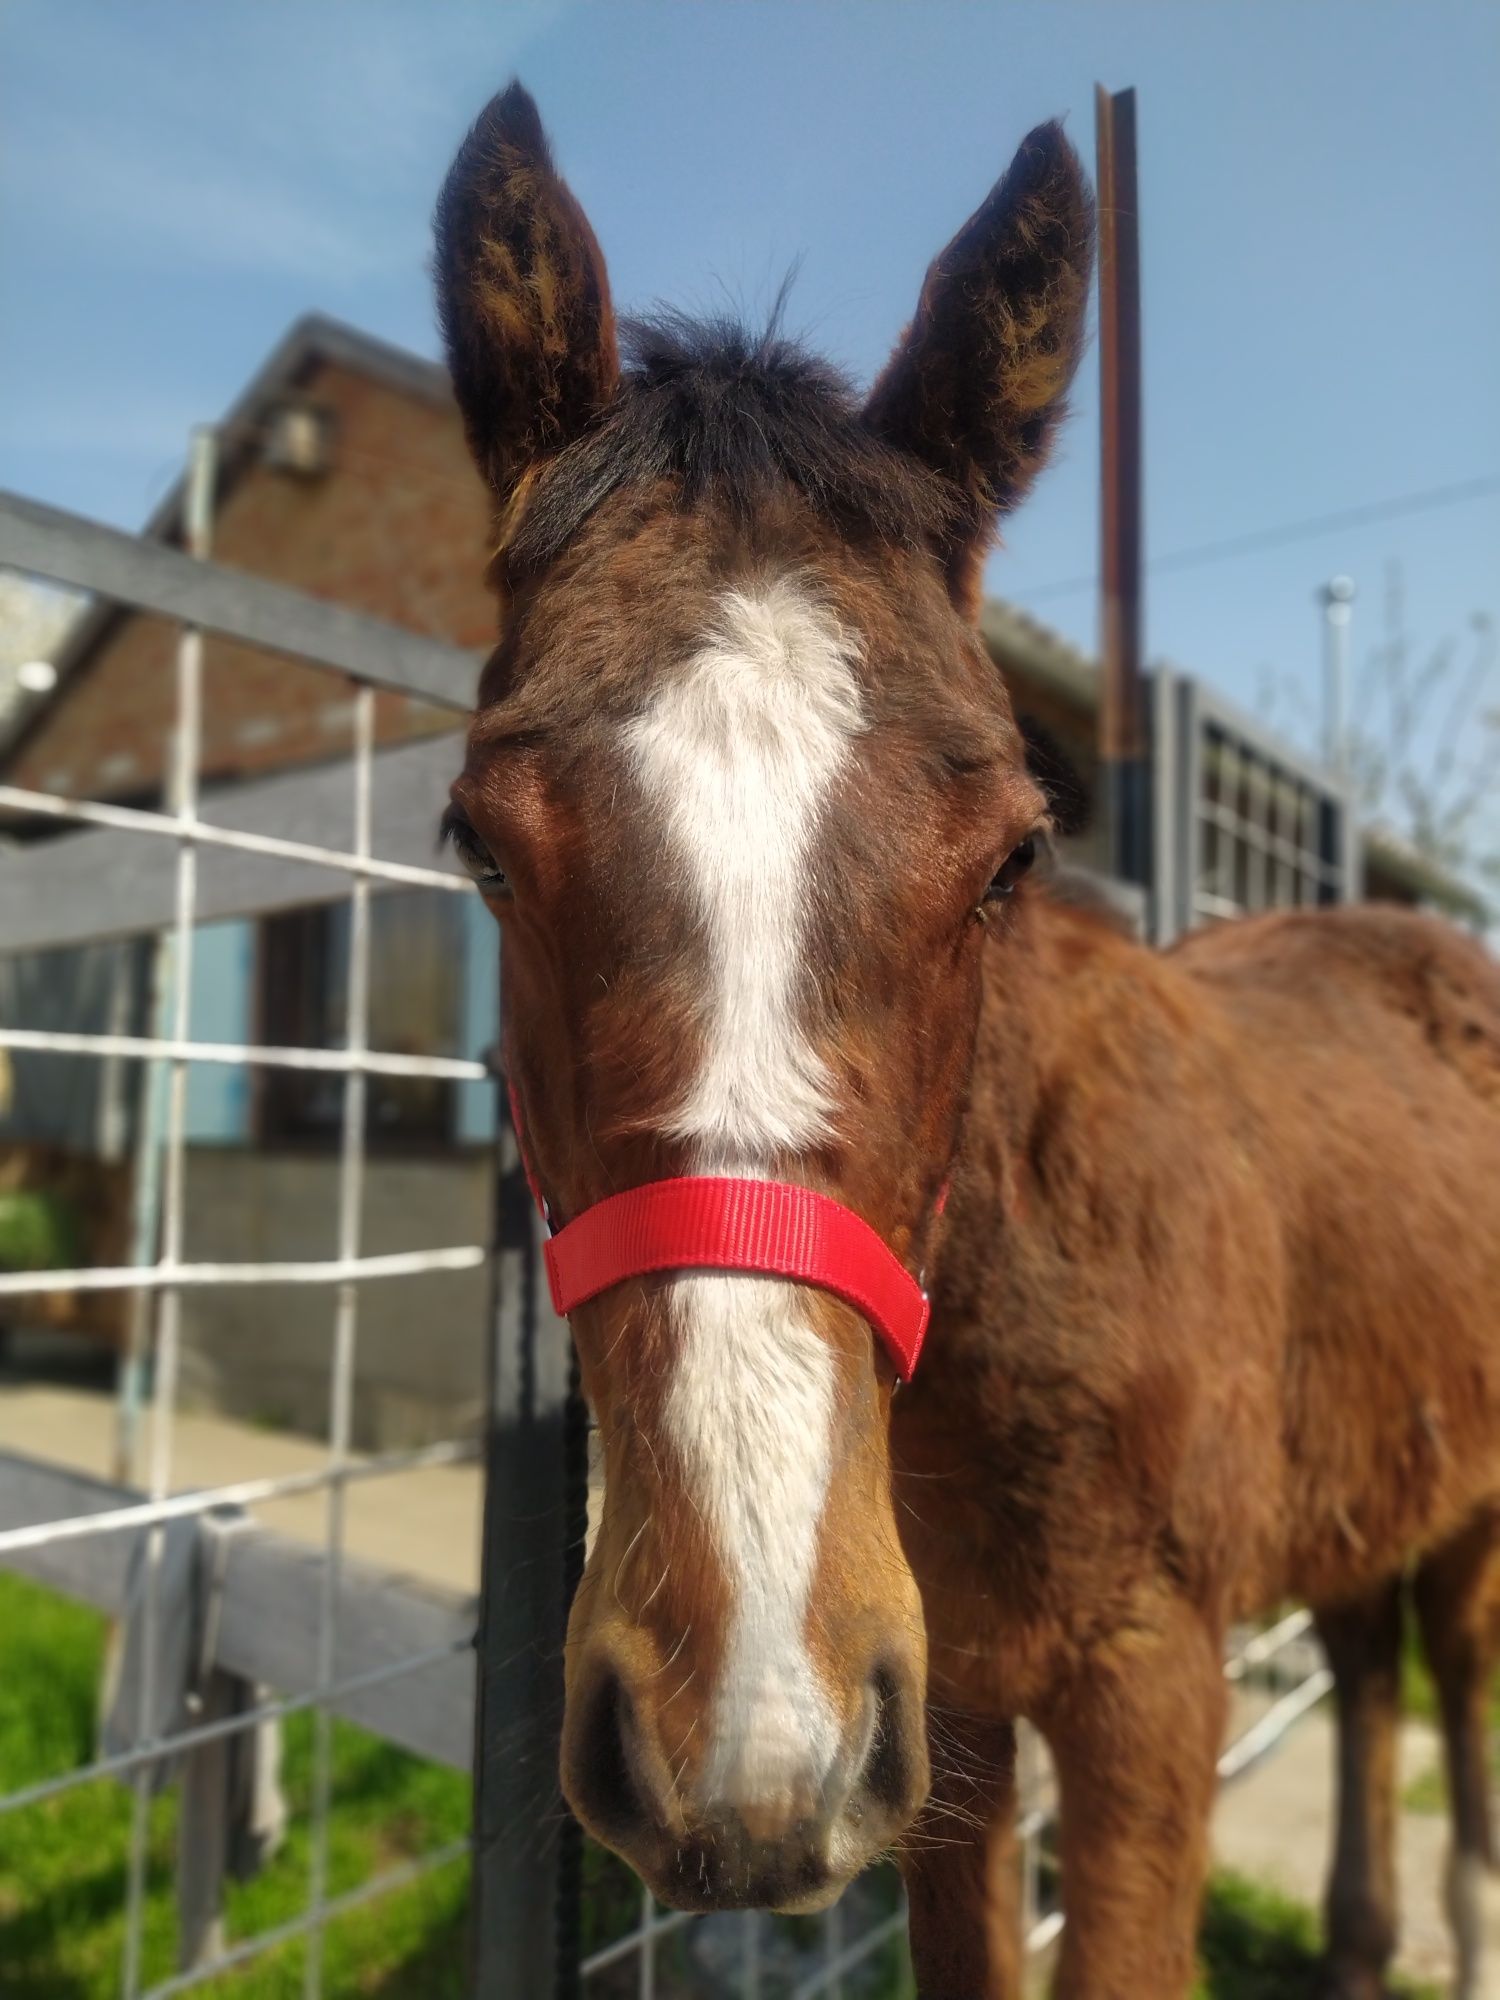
1012, 869
474, 856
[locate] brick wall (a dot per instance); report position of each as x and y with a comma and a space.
397, 527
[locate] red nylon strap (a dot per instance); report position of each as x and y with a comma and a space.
704, 1223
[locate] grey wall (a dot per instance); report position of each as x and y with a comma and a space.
60, 1100
263, 1355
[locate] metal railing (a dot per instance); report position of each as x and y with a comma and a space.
1242, 821
322, 1604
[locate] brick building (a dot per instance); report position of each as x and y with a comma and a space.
343, 473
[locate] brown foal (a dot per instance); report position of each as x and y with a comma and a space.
1214, 1295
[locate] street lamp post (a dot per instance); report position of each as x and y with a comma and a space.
1337, 600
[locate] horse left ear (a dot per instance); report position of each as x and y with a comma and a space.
978, 383
523, 296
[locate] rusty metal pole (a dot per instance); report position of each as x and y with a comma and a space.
1124, 763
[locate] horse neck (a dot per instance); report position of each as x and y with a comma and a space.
1057, 963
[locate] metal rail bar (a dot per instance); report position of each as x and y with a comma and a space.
848, 1956
1123, 759
1274, 1724
185, 1740
336, 1906
366, 1062
164, 1276
186, 750
241, 1493
93, 886
149, 576
269, 1594
1257, 1650
204, 833
662, 1926
345, 1326
525, 1888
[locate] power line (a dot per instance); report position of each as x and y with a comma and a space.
1292, 531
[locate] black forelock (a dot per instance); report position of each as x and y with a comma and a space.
722, 412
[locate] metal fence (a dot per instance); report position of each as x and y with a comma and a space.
326, 1632
1243, 823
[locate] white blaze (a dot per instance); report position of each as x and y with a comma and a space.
740, 753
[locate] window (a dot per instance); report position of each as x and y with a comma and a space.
416, 997
1268, 835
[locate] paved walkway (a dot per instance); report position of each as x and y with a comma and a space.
423, 1523
1275, 1825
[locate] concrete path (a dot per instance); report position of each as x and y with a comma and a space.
1275, 1824
423, 1523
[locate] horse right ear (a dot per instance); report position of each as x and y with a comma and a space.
523, 297
978, 383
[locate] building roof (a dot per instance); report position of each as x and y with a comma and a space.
1035, 650
312, 342
1026, 643
1403, 865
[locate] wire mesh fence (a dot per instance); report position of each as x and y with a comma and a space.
1257, 827
123, 1546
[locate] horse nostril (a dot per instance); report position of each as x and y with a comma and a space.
892, 1777
604, 1784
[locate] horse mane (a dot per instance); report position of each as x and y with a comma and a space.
719, 410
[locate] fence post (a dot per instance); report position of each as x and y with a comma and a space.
526, 1887
203, 1831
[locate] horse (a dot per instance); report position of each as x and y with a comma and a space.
804, 1053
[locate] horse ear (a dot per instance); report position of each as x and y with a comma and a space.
978, 383
523, 297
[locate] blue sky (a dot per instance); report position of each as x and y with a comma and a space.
1320, 251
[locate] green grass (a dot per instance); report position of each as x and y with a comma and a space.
62, 1863
1428, 1791
1258, 1945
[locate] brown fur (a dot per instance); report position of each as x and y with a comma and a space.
1215, 1292
1217, 1326
524, 297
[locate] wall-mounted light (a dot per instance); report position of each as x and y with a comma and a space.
299, 438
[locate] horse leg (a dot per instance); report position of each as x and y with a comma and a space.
1135, 1735
1363, 1641
959, 1861
1457, 1594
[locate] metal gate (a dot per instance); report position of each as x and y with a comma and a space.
1241, 821
217, 1610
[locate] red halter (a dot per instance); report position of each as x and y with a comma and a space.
705, 1222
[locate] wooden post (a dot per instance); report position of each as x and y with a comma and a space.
1123, 757
203, 1831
